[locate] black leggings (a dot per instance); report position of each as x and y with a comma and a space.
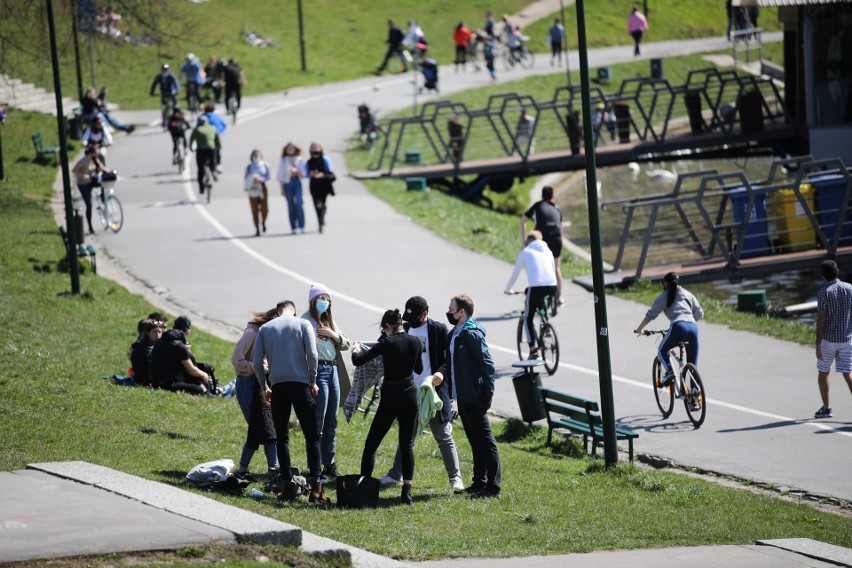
461, 54
534, 301
203, 155
86, 192
398, 402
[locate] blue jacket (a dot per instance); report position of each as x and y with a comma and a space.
216, 122
471, 368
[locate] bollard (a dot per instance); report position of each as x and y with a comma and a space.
79, 234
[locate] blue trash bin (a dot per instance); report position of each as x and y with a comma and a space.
756, 237
829, 191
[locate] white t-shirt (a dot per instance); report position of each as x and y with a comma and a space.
422, 333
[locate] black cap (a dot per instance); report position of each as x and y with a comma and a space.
183, 323
414, 308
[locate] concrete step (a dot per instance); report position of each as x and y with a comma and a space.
26, 96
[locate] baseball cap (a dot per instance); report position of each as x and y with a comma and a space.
414, 308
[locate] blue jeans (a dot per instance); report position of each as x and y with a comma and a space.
328, 401
293, 193
680, 331
246, 389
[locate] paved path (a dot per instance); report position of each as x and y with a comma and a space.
205, 259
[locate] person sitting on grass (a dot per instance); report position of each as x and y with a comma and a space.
172, 365
140, 350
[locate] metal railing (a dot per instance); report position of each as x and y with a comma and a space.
644, 110
711, 216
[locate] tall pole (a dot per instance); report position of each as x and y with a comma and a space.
302, 37
63, 157
601, 327
74, 13
565, 25
92, 55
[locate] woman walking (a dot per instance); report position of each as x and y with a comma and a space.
322, 177
86, 172
401, 359
291, 170
255, 178
330, 372
683, 310
258, 414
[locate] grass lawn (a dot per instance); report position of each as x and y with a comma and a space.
55, 406
343, 40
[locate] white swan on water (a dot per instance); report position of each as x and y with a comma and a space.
662, 175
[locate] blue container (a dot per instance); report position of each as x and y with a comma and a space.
756, 237
829, 191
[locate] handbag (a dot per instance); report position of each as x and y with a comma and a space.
357, 492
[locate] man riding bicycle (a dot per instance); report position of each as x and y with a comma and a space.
537, 260
193, 72
178, 126
168, 84
235, 78
205, 142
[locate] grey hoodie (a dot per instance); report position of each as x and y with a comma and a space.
290, 348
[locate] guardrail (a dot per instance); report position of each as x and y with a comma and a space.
641, 110
712, 216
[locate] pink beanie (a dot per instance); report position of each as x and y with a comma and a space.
318, 290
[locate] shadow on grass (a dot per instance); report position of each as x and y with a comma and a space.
170, 435
534, 439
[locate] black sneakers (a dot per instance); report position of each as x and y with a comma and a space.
330, 471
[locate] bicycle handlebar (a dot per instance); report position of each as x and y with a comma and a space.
654, 331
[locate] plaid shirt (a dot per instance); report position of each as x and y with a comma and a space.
835, 299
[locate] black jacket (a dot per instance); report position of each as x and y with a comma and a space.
438, 345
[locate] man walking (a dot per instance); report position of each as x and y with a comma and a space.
470, 370
290, 349
833, 332
433, 337
548, 221
394, 41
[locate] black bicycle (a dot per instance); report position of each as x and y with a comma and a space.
686, 384
547, 343
207, 180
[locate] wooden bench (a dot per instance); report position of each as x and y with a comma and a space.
580, 416
82, 250
43, 151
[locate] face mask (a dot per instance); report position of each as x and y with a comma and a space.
453, 319
322, 306
255, 161
416, 323
315, 154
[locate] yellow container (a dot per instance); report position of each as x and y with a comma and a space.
794, 230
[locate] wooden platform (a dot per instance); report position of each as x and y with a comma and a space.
718, 270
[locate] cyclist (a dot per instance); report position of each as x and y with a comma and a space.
683, 310
205, 142
235, 78
178, 126
193, 72
168, 83
537, 260
217, 122
548, 221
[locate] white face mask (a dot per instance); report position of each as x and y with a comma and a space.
256, 161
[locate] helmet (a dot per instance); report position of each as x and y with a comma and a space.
166, 66
599, 105
190, 57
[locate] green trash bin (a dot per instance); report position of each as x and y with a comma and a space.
413, 156
416, 184
752, 301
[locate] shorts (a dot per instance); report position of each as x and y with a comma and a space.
840, 353
554, 243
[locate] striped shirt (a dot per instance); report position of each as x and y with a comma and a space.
835, 299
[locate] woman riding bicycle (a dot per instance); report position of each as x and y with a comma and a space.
537, 259
683, 310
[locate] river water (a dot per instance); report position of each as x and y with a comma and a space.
620, 182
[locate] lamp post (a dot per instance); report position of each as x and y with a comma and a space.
601, 327
76, 50
301, 36
2, 122
565, 26
74, 267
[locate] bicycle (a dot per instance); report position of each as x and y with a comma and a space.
547, 342
192, 98
108, 207
233, 107
179, 155
167, 106
520, 55
687, 384
207, 180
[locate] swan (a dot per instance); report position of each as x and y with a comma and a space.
662, 175
633, 167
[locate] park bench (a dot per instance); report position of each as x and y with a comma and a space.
580, 416
82, 250
43, 151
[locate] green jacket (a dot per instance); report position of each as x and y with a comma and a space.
204, 137
429, 404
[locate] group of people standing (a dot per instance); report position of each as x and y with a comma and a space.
293, 168
287, 363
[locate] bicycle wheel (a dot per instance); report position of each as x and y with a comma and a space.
180, 156
114, 213
663, 394
523, 347
232, 109
549, 348
526, 58
694, 398
208, 182
101, 209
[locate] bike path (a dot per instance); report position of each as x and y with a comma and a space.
762, 392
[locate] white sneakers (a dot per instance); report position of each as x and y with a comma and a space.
388, 481
456, 484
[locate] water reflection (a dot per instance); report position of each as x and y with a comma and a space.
782, 289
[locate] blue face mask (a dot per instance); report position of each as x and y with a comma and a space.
322, 306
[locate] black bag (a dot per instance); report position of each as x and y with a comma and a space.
357, 492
